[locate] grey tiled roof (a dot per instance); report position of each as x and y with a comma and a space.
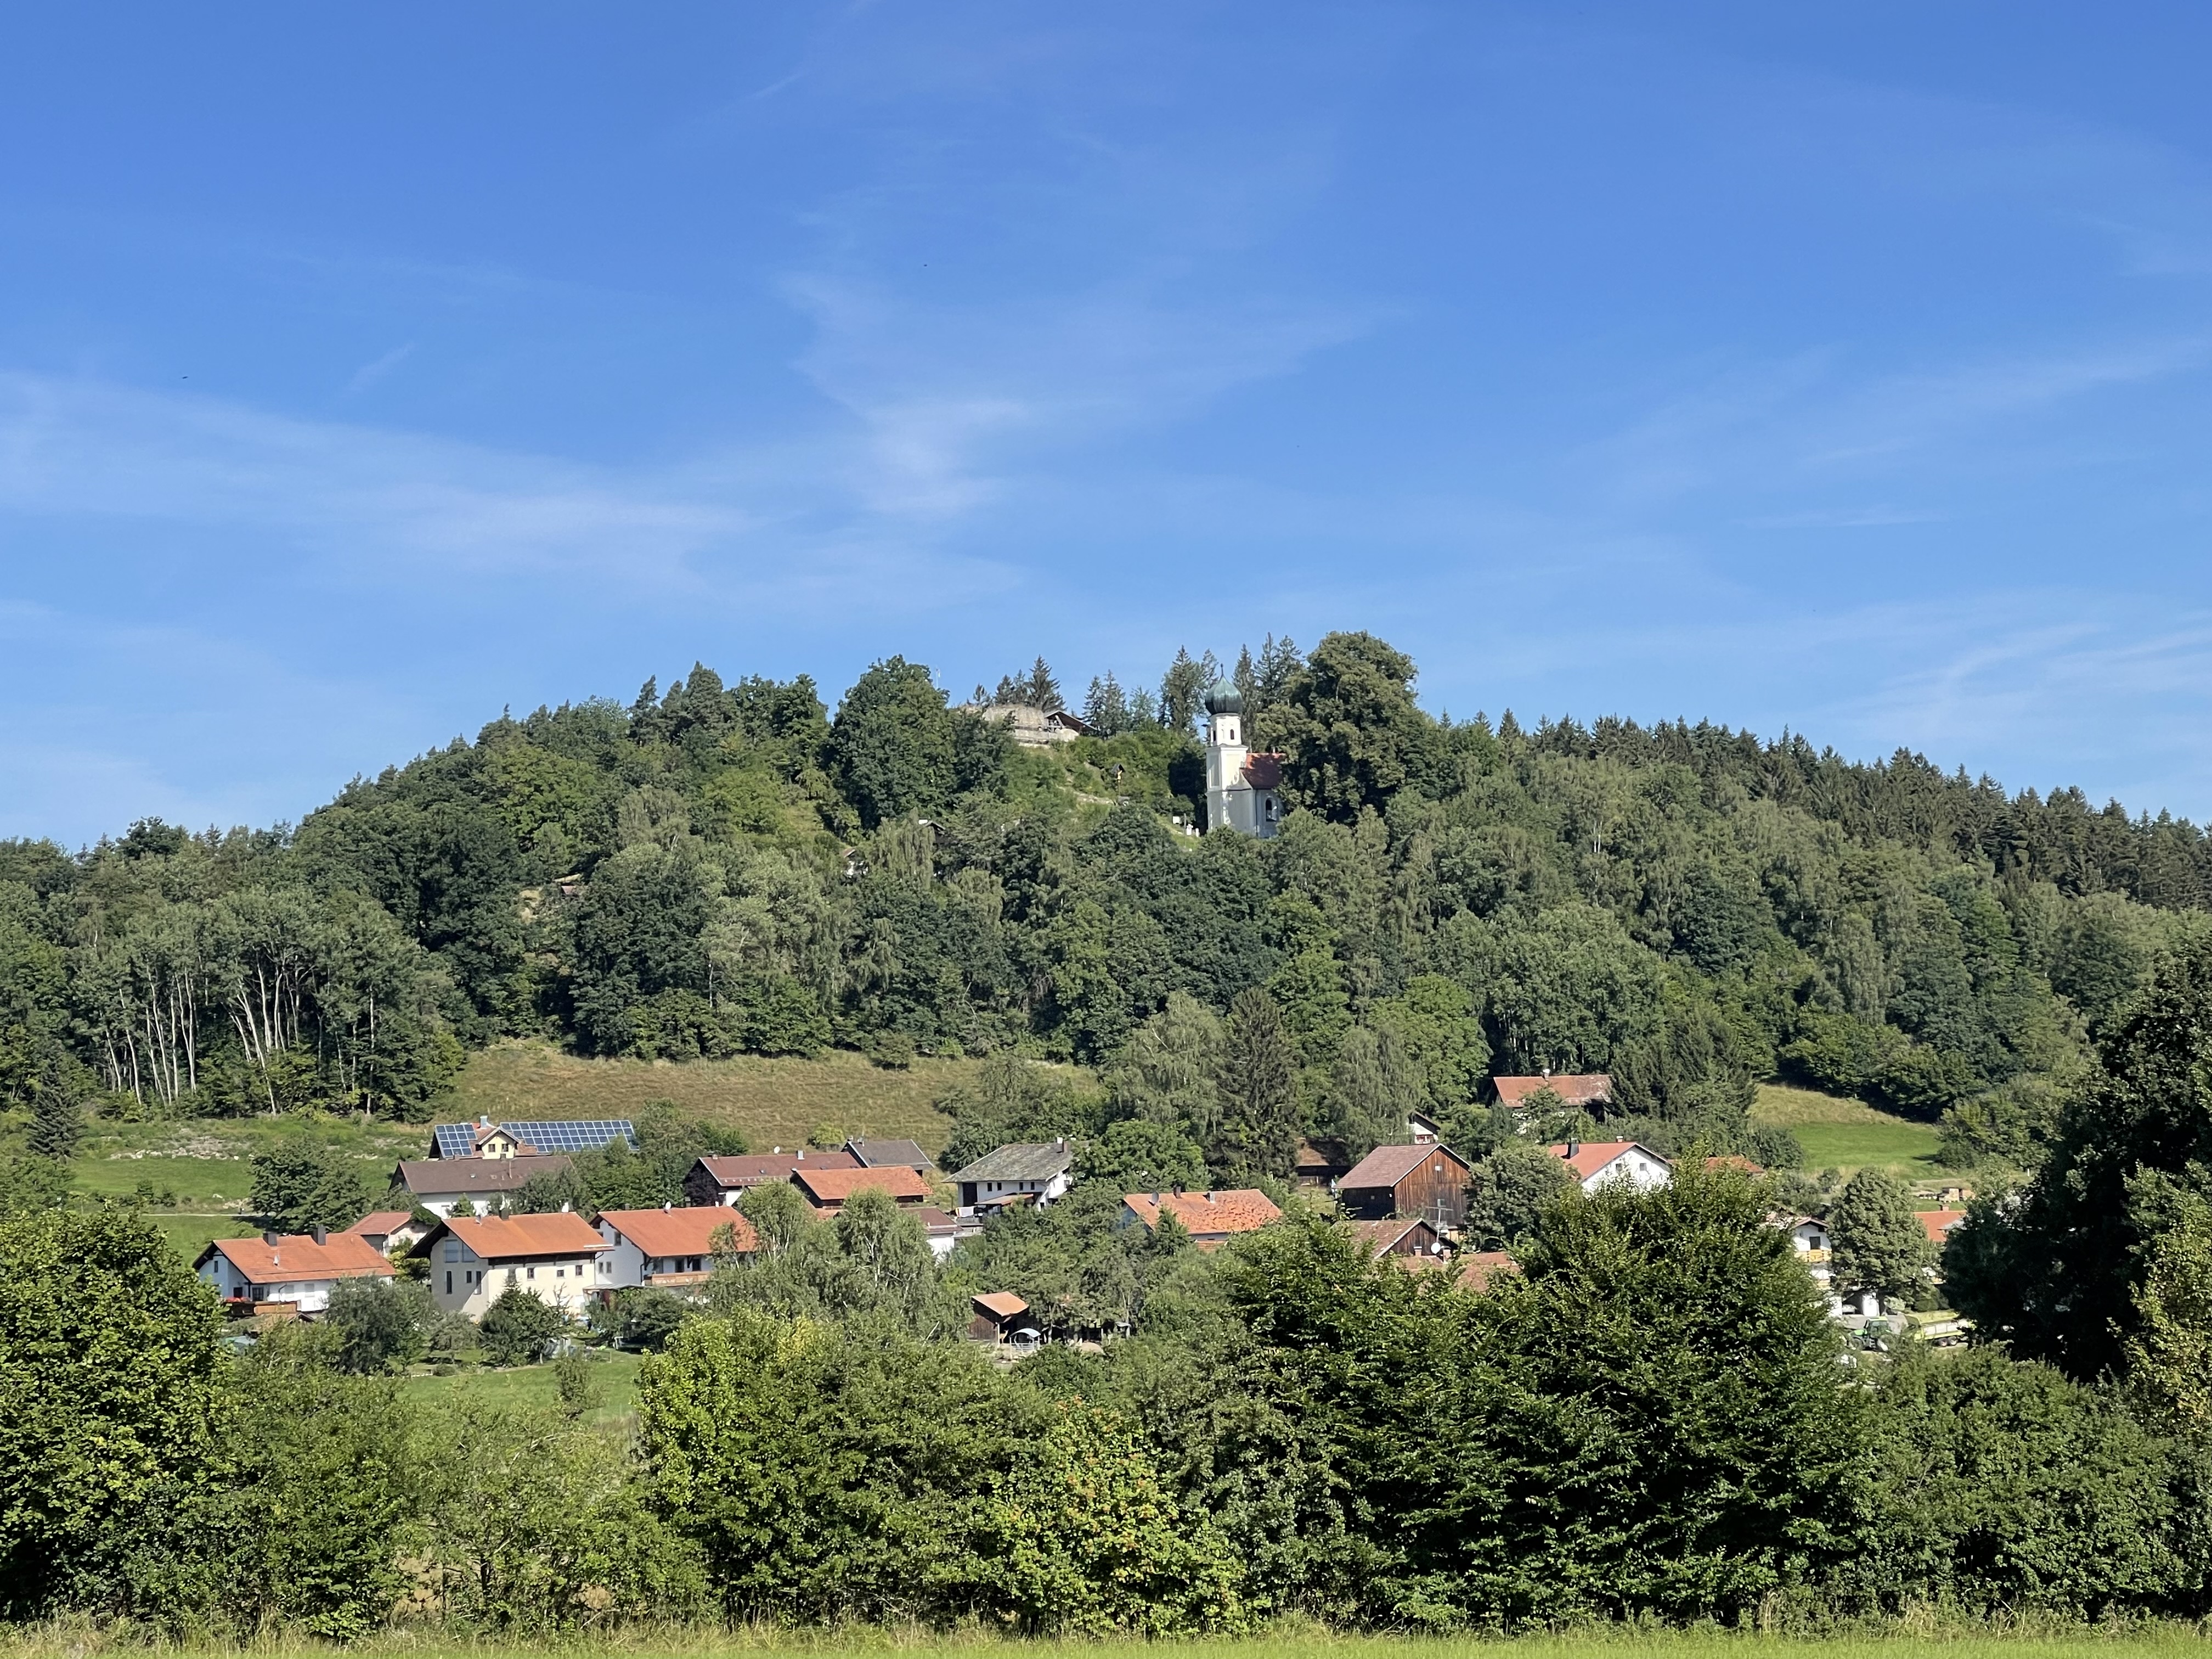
881, 1154
1024, 1161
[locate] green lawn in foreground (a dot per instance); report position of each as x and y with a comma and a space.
615, 1375
2170, 1643
1849, 1134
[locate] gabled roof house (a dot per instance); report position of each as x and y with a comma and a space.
1028, 1172
475, 1260
670, 1248
1210, 1218
1598, 1164
1428, 1181
296, 1270
714, 1180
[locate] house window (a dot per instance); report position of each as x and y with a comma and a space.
533, 1272
510, 1275
452, 1249
449, 1281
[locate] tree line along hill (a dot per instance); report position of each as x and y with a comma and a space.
726, 868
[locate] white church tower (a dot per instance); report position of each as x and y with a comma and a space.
1240, 786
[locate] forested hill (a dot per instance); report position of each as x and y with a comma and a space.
724, 867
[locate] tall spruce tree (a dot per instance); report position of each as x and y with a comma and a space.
1258, 1134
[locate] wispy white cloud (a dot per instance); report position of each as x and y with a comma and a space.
376, 368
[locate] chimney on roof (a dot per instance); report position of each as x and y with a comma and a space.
1573, 1145
321, 1238
1209, 1197
1547, 1071
272, 1240
665, 1208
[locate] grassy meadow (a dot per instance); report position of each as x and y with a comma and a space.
613, 1375
776, 1103
1850, 1134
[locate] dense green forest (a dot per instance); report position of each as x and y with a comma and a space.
726, 868
1651, 1417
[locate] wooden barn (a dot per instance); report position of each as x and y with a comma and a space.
1412, 1183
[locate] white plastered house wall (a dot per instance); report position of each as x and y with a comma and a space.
463, 1282
1636, 1168
309, 1295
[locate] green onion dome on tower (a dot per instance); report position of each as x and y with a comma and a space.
1222, 698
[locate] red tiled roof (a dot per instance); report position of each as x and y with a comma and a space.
295, 1258
1591, 1156
682, 1231
1386, 1166
1937, 1223
1243, 1209
753, 1168
1476, 1271
836, 1186
1574, 1089
512, 1237
1001, 1304
1264, 771
1734, 1161
379, 1224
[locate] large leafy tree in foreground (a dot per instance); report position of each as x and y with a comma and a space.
2055, 1271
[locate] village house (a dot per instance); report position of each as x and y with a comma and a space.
828, 1189
883, 1154
713, 1181
439, 1184
1002, 1317
484, 1138
1025, 1173
1421, 1129
387, 1230
1938, 1223
475, 1260
667, 1248
1211, 1218
1400, 1236
1427, 1183
1572, 1088
295, 1271
1598, 1164
1314, 1169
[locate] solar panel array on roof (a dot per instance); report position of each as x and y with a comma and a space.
579, 1135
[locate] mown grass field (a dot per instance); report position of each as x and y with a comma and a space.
614, 1375
1291, 1641
774, 1102
1849, 1134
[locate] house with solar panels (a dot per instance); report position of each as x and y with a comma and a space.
487, 1163
484, 1138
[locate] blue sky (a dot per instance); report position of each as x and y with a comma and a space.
1844, 368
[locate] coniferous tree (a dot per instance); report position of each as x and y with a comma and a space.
1183, 690
1258, 1129
1041, 690
1105, 708
57, 1118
